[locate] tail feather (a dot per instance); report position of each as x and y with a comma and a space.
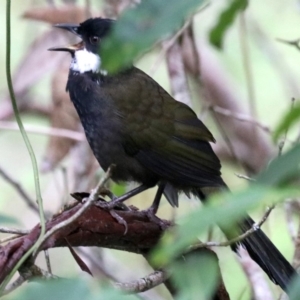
266, 255
262, 251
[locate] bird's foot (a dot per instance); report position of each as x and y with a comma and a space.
112, 207
151, 214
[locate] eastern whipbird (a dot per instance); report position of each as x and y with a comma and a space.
131, 122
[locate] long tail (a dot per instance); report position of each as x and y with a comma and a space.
263, 252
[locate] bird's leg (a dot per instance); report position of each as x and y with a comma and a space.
118, 202
152, 210
155, 204
126, 196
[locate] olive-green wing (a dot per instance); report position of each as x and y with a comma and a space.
165, 135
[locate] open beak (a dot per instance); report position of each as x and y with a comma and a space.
74, 29
69, 27
71, 48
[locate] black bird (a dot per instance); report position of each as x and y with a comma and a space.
130, 121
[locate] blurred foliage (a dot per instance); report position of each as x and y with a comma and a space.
138, 29
70, 289
225, 20
282, 170
288, 120
191, 280
5, 219
135, 32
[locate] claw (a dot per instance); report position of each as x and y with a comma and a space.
119, 219
150, 213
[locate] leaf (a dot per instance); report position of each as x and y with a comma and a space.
7, 219
224, 209
138, 29
229, 211
281, 169
70, 289
289, 119
83, 266
195, 277
294, 288
226, 19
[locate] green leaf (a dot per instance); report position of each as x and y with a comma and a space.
138, 29
224, 209
289, 119
294, 289
70, 289
281, 169
118, 189
195, 277
7, 219
225, 20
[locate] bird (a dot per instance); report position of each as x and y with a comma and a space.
131, 122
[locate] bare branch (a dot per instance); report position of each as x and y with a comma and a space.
294, 43
143, 284
239, 238
27, 273
178, 79
244, 177
259, 285
14, 231
47, 258
239, 116
30, 203
70, 134
91, 199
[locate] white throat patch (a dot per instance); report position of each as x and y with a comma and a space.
85, 61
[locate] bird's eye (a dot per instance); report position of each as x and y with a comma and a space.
94, 40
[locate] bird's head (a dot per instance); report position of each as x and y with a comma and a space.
85, 57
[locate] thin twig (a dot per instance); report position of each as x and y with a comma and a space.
92, 198
282, 142
26, 274
8, 239
29, 149
239, 117
29, 201
294, 43
14, 231
59, 132
239, 238
143, 284
17, 233
47, 258
244, 177
247, 63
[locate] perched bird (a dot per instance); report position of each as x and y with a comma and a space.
131, 122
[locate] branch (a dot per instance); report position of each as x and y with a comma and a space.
94, 227
29, 201
28, 273
66, 133
94, 195
239, 116
259, 285
143, 284
239, 238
